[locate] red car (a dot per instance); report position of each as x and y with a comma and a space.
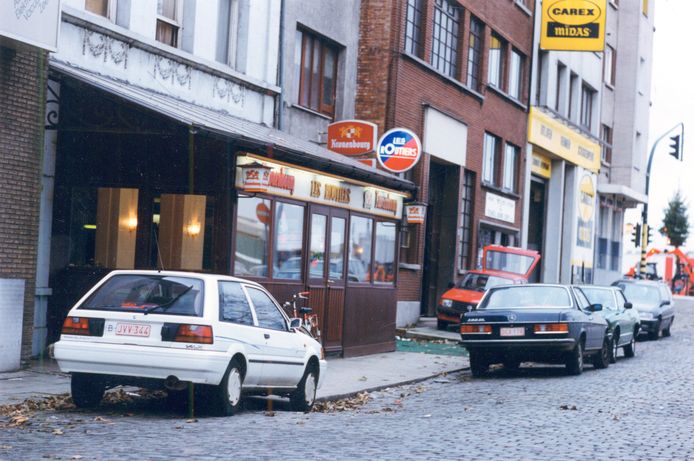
500, 266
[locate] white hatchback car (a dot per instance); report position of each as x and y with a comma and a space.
163, 328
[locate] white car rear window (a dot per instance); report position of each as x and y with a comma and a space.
154, 294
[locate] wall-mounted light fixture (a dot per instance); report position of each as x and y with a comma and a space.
130, 223
256, 177
192, 229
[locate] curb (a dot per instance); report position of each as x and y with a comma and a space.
347, 395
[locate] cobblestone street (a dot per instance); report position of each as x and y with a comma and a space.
639, 408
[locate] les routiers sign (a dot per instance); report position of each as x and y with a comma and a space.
303, 184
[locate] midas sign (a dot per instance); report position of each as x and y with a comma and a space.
573, 25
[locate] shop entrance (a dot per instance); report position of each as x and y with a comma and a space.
536, 218
327, 271
439, 253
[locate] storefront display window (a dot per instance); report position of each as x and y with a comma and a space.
288, 240
360, 248
253, 218
384, 255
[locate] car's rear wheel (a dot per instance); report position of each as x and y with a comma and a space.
630, 349
574, 362
614, 347
478, 364
87, 389
655, 333
441, 324
303, 398
228, 392
602, 358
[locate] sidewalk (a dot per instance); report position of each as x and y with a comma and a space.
345, 377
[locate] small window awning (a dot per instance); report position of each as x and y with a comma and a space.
285, 146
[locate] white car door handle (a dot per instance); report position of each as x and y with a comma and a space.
267, 335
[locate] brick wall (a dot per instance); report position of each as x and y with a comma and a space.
22, 78
393, 90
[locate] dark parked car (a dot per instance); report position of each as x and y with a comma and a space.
653, 301
622, 319
535, 323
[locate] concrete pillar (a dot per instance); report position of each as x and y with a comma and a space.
552, 247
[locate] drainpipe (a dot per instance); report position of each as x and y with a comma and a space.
280, 70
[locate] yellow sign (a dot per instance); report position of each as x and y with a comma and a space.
563, 141
541, 166
573, 25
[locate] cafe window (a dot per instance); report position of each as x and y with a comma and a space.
253, 217
287, 241
316, 250
317, 73
337, 249
383, 270
360, 233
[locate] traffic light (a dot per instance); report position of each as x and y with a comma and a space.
649, 234
636, 235
675, 146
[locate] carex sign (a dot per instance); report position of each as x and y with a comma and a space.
573, 25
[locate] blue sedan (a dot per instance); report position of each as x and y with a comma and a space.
535, 323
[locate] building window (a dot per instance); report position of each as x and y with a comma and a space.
167, 22
490, 158
497, 57
360, 247
606, 146
559, 103
227, 32
474, 54
573, 81
616, 255
510, 167
252, 235
466, 210
318, 74
384, 253
100, 7
515, 75
413, 27
608, 69
444, 52
602, 253
587, 95
287, 241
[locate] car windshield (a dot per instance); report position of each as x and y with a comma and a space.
599, 296
519, 296
140, 293
643, 294
481, 282
508, 262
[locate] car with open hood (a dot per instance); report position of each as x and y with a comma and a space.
500, 266
535, 323
622, 319
165, 329
653, 301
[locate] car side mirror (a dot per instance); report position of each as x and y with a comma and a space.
294, 323
665, 303
451, 285
628, 305
595, 307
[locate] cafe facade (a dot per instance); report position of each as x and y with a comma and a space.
161, 162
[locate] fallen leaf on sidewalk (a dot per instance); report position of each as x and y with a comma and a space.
76, 457
57, 432
363, 378
194, 420
567, 407
342, 405
269, 413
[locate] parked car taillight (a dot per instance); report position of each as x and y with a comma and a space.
476, 329
84, 326
551, 328
186, 333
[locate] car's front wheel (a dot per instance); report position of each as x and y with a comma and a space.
87, 389
614, 347
655, 333
574, 362
602, 358
666, 331
228, 392
630, 349
478, 364
303, 398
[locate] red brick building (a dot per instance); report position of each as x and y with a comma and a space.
457, 73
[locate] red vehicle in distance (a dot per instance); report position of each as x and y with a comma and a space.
500, 266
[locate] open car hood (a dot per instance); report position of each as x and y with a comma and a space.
510, 260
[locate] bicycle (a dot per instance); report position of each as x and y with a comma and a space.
309, 321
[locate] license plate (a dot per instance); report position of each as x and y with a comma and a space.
515, 331
132, 329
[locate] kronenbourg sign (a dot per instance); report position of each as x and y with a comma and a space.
398, 150
352, 137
